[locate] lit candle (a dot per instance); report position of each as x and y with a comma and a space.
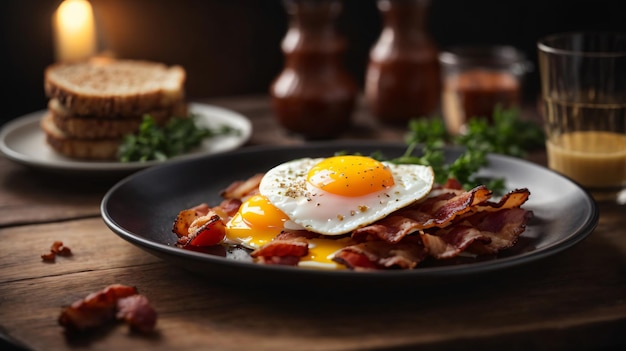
74, 31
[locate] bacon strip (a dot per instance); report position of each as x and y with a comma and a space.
450, 242
243, 188
436, 211
484, 228
449, 222
282, 251
379, 254
515, 198
502, 227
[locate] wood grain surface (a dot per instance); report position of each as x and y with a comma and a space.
575, 300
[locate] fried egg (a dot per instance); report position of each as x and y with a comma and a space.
330, 196
257, 222
336, 195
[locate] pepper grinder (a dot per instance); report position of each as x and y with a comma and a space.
313, 96
403, 75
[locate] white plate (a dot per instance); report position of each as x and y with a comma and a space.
23, 141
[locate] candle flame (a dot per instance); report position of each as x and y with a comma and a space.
75, 35
75, 14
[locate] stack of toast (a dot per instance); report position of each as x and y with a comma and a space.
93, 104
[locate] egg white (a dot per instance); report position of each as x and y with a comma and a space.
322, 212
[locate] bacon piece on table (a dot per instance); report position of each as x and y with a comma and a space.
57, 248
60, 249
115, 301
95, 309
136, 311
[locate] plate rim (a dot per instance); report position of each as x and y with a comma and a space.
31, 120
157, 248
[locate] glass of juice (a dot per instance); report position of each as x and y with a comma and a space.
583, 85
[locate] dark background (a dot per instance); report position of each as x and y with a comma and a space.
231, 47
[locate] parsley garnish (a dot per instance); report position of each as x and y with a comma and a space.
178, 136
507, 134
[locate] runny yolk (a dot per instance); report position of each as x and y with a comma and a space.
350, 175
258, 222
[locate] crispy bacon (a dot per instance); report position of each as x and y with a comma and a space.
186, 218
199, 226
482, 233
57, 248
49, 257
380, 254
278, 260
478, 227
450, 242
114, 301
194, 225
243, 188
95, 309
515, 198
60, 249
136, 311
502, 227
450, 221
293, 234
282, 251
228, 208
435, 211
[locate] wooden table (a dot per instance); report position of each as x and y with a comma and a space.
573, 300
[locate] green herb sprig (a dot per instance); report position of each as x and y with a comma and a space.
179, 135
508, 134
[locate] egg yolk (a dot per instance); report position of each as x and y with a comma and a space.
350, 175
258, 222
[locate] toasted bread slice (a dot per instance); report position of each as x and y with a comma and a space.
88, 127
110, 87
104, 149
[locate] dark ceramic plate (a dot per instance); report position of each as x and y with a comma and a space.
142, 208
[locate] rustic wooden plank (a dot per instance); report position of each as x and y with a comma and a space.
94, 247
567, 292
195, 313
574, 300
33, 196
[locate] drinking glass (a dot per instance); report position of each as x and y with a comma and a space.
583, 84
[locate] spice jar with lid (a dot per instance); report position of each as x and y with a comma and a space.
479, 79
403, 78
314, 95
